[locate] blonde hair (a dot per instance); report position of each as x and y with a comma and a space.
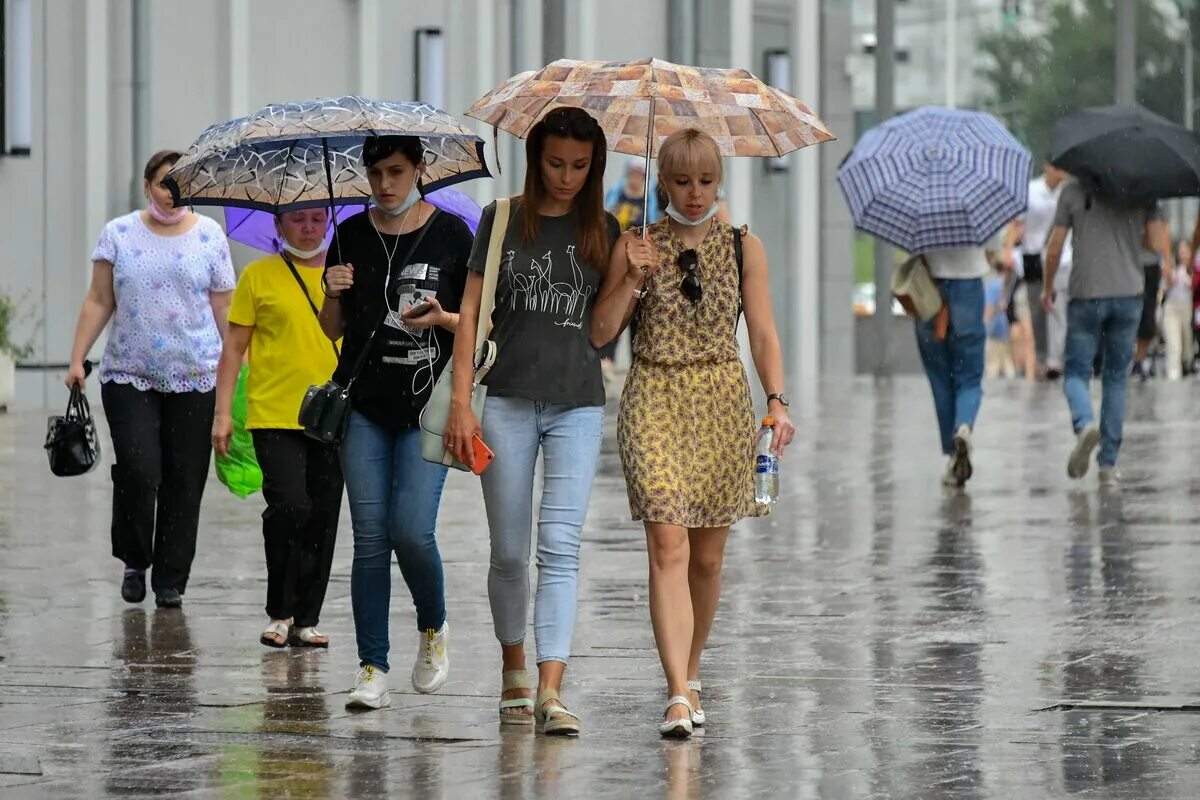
689, 151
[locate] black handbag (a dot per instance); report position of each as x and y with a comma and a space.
72, 444
325, 410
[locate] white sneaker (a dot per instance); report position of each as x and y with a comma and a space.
370, 689
432, 667
1110, 476
960, 462
1081, 456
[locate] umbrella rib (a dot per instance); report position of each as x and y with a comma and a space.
754, 113
286, 160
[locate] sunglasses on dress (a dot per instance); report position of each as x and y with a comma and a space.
688, 261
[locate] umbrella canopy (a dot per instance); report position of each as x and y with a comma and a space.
1127, 154
256, 228
936, 178
745, 116
290, 156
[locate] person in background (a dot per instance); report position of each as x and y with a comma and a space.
1178, 314
1154, 272
625, 201
1107, 283
998, 360
407, 299
686, 426
1019, 317
274, 318
164, 277
1038, 222
1035, 234
545, 396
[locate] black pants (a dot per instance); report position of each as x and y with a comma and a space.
302, 484
162, 446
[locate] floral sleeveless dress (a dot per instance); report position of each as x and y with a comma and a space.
686, 424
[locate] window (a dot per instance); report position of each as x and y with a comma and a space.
16, 77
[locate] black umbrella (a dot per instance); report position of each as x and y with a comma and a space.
1127, 154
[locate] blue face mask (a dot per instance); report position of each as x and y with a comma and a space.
674, 214
414, 195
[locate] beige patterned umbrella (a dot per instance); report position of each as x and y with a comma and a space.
745, 116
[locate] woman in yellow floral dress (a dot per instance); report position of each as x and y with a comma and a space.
686, 426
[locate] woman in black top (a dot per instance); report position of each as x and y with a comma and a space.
545, 394
394, 493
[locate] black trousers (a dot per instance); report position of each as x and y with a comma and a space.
302, 484
162, 444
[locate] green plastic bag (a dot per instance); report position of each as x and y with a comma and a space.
239, 470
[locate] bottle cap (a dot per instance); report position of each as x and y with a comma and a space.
768, 422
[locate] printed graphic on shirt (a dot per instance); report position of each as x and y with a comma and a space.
549, 285
409, 346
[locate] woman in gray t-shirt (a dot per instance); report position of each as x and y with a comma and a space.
545, 393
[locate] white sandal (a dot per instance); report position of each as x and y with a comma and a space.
307, 637
677, 728
518, 710
698, 718
279, 628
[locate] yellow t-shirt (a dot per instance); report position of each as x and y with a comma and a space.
288, 350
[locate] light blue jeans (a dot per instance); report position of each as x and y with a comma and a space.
1108, 326
394, 496
569, 439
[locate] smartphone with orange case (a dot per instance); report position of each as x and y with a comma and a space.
483, 455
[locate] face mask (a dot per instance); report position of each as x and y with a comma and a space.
304, 255
161, 215
674, 214
414, 194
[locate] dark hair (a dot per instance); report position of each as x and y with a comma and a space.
592, 226
377, 148
158, 159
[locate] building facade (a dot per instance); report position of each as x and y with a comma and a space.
111, 81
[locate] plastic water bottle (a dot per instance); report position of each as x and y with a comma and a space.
766, 465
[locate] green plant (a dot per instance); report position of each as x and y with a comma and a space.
8, 317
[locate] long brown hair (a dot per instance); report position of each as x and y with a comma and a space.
592, 222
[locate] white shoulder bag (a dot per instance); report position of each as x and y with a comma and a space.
437, 410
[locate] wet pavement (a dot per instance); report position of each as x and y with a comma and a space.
878, 638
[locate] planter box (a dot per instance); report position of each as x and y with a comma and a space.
8, 380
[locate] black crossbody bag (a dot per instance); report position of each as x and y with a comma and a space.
325, 410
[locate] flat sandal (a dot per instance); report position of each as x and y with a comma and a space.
557, 720
510, 710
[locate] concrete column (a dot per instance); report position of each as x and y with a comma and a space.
1126, 52
368, 48
951, 53
239, 58
98, 104
581, 30
804, 354
885, 108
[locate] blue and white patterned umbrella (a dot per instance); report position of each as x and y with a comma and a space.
936, 178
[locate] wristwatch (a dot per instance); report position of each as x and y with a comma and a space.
780, 396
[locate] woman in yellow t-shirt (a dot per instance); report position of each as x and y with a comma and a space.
274, 317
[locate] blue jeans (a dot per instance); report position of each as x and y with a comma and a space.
394, 496
1109, 326
954, 365
569, 439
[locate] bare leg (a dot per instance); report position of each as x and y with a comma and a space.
671, 606
704, 580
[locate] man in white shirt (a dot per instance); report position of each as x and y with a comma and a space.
1049, 328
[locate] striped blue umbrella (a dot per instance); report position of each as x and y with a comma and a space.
936, 178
